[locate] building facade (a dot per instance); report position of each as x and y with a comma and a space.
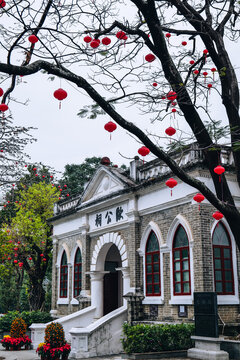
127, 238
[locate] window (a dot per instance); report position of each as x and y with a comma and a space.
152, 263
77, 273
222, 259
63, 276
181, 263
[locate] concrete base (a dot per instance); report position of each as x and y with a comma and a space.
207, 348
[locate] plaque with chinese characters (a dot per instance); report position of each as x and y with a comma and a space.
108, 217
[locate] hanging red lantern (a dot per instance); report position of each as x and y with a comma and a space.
184, 43
33, 39
110, 127
213, 70
3, 107
106, 41
170, 131
199, 198
209, 87
60, 95
173, 111
155, 84
205, 75
196, 72
1, 92
94, 44
168, 35
171, 183
87, 39
217, 215
205, 52
219, 170
30, 258
191, 62
120, 35
15, 261
171, 96
143, 151
2, 3
150, 58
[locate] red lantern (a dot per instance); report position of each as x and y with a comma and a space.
170, 131
120, 35
60, 95
205, 75
205, 52
173, 111
106, 41
150, 58
168, 35
196, 72
15, 261
171, 96
191, 62
110, 127
198, 198
213, 70
94, 44
163, 97
154, 84
143, 151
171, 183
87, 39
30, 258
209, 87
219, 170
3, 107
33, 39
184, 43
1, 92
2, 3
217, 215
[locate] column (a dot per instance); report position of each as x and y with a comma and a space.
97, 291
126, 281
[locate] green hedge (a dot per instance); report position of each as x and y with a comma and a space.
29, 317
154, 338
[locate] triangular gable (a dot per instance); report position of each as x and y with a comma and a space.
103, 183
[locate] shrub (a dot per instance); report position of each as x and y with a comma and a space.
28, 316
18, 328
143, 338
54, 335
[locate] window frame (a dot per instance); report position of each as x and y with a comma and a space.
180, 249
222, 258
65, 281
79, 265
152, 253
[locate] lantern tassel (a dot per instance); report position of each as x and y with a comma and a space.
171, 192
110, 136
219, 178
199, 207
59, 105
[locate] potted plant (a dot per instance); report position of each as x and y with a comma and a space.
55, 346
18, 337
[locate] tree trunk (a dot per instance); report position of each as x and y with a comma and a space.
36, 295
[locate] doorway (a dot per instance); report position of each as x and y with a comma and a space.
112, 282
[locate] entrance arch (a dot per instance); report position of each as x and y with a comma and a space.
110, 278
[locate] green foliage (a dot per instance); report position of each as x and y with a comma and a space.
75, 176
54, 335
143, 338
28, 316
91, 111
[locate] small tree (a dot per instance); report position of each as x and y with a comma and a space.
18, 328
26, 243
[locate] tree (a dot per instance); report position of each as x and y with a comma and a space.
76, 175
109, 75
26, 243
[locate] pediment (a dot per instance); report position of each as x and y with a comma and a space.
102, 184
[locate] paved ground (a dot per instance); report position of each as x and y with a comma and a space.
31, 355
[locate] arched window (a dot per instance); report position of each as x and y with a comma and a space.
63, 276
222, 258
181, 263
77, 273
152, 257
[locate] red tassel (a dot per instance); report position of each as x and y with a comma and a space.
171, 192
59, 105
